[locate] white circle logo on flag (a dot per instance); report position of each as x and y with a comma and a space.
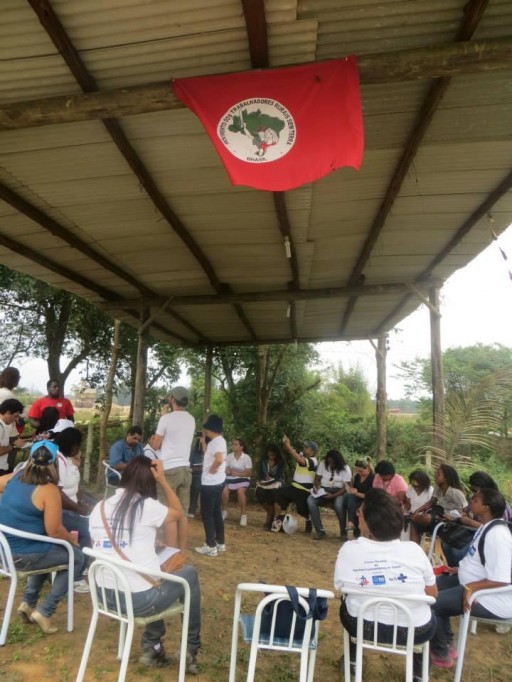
257, 130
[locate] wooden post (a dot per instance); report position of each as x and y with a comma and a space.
380, 407
208, 382
109, 387
88, 451
436, 359
140, 372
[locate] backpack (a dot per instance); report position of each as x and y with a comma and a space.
496, 522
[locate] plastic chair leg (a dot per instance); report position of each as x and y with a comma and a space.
87, 647
461, 646
8, 609
252, 662
126, 652
346, 655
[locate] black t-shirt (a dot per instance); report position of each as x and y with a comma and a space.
363, 486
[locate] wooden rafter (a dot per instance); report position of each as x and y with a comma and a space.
482, 210
438, 61
256, 24
53, 227
103, 292
69, 53
474, 11
228, 298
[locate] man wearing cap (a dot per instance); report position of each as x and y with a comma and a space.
303, 479
174, 435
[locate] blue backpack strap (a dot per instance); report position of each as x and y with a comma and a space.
294, 598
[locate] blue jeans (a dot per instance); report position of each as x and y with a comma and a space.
53, 557
449, 603
211, 512
73, 521
337, 503
158, 599
453, 555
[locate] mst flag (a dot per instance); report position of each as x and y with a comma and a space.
279, 129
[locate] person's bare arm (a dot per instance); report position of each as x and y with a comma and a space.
431, 590
47, 499
157, 441
296, 455
218, 458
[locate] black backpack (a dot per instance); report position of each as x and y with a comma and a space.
496, 522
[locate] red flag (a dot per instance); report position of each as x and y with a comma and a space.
279, 129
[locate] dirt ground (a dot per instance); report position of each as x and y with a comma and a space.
252, 555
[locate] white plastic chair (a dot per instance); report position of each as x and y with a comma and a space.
434, 559
116, 569
8, 569
399, 606
306, 646
464, 624
108, 485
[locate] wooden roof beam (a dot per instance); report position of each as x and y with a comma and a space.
474, 11
71, 56
438, 61
230, 298
53, 227
482, 210
256, 25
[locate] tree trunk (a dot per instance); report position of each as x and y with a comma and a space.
109, 387
380, 355
437, 370
141, 370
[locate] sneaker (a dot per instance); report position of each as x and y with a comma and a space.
206, 550
309, 526
243, 520
221, 548
191, 516
441, 661
155, 658
276, 525
224, 515
502, 629
320, 535
81, 587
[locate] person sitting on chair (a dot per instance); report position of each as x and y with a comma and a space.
31, 502
123, 451
270, 479
353, 498
131, 519
446, 503
387, 479
298, 492
485, 566
238, 478
331, 477
379, 562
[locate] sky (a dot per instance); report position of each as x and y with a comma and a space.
476, 307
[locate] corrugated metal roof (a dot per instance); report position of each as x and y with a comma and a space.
75, 174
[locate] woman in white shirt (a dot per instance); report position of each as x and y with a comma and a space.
378, 562
331, 477
133, 515
212, 485
238, 478
472, 574
419, 491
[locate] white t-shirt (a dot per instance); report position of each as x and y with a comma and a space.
498, 564
141, 550
235, 464
333, 479
217, 444
6, 394
416, 500
5, 434
177, 429
393, 569
69, 477
150, 453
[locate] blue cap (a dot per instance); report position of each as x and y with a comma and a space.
40, 456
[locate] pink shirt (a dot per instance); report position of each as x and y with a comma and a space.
396, 485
